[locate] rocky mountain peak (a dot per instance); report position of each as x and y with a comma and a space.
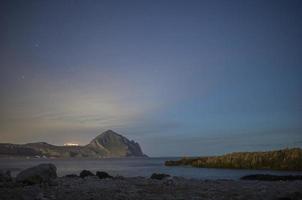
114, 144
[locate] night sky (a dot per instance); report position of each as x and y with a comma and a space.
180, 77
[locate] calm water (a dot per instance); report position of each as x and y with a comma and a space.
132, 167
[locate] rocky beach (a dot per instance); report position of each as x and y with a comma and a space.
41, 183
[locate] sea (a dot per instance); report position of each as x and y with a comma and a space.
133, 167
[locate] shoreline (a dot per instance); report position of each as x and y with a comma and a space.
42, 183
139, 167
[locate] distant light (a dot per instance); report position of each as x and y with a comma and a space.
71, 144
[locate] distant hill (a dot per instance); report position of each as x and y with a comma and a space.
286, 159
108, 144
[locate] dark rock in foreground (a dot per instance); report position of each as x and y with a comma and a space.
159, 176
86, 173
43, 173
268, 177
103, 175
5, 176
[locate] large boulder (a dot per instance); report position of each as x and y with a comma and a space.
43, 173
86, 173
5, 176
159, 176
103, 175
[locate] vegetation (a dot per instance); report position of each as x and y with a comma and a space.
286, 159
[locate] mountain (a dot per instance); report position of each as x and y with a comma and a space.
113, 144
108, 144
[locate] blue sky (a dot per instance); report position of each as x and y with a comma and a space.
179, 77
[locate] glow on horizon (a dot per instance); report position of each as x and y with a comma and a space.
71, 144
